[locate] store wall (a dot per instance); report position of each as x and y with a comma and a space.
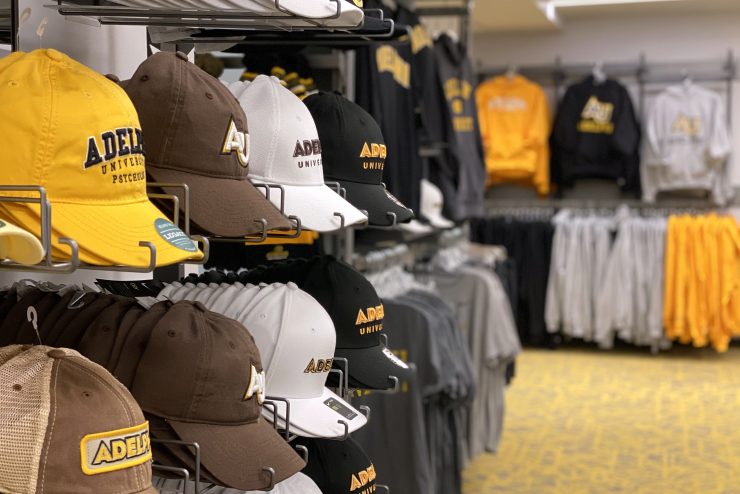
663, 38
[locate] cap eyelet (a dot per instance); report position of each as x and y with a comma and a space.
209, 96
86, 394
105, 329
144, 78
171, 333
13, 83
232, 345
17, 387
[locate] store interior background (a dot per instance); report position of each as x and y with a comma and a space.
666, 420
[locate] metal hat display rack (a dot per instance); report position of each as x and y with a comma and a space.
49, 265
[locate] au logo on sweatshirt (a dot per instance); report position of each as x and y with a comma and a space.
687, 126
115, 450
389, 60
597, 117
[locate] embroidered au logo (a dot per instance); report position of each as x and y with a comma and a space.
115, 450
256, 386
237, 142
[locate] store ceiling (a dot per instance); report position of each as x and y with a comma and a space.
527, 15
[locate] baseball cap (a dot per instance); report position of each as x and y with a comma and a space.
74, 427
350, 14
19, 245
355, 153
296, 339
339, 467
357, 314
196, 133
286, 150
416, 227
432, 202
202, 372
76, 133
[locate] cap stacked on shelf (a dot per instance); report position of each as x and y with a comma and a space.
356, 311
196, 374
18, 245
196, 134
74, 132
355, 154
296, 339
286, 151
69, 426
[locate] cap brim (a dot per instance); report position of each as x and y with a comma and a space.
237, 454
20, 245
378, 203
313, 417
225, 207
371, 368
439, 221
415, 227
112, 232
315, 205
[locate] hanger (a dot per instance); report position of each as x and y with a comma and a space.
686, 78
512, 70
598, 72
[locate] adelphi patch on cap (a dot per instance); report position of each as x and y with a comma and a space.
115, 450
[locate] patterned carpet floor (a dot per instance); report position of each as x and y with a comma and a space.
579, 420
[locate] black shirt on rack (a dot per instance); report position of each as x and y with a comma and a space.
384, 89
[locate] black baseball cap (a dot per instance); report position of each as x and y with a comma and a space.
356, 311
354, 153
339, 467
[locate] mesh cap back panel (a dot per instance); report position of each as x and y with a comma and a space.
24, 415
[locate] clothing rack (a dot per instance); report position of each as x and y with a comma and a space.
558, 74
669, 206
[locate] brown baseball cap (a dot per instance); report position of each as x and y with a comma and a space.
196, 133
74, 427
202, 373
100, 337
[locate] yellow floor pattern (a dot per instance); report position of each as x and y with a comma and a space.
585, 421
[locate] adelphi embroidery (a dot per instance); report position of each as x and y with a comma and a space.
317, 366
373, 150
237, 142
256, 386
115, 450
369, 315
363, 478
117, 143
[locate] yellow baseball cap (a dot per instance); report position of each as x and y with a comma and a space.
19, 245
76, 133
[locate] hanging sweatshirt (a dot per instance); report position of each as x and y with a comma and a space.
687, 144
515, 125
596, 135
464, 188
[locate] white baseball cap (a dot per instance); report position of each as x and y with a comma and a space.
350, 16
296, 339
432, 202
416, 227
18, 245
285, 150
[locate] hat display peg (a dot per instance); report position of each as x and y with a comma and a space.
205, 248
340, 373
132, 269
303, 450
180, 473
196, 451
48, 265
384, 488
286, 432
342, 220
345, 435
273, 406
366, 411
337, 187
297, 229
395, 388
271, 475
344, 377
